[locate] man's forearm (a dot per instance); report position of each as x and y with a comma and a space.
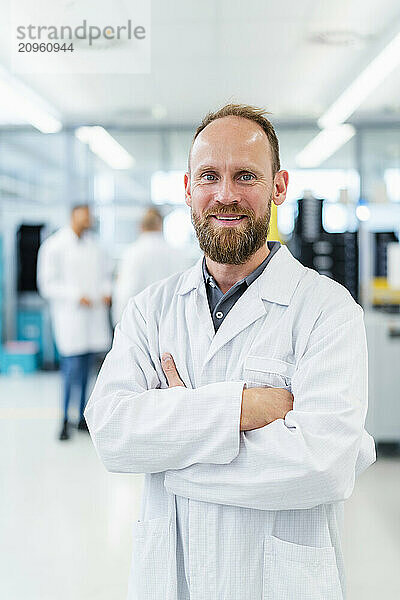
261, 406
149, 431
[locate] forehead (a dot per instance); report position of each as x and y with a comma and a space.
233, 140
82, 210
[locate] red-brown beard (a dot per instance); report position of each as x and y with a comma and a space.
231, 245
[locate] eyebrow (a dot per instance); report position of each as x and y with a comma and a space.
237, 169
206, 168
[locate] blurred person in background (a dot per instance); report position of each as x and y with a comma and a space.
73, 276
149, 259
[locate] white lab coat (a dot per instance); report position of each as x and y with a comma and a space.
149, 259
239, 515
69, 268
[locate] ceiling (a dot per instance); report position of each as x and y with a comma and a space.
206, 53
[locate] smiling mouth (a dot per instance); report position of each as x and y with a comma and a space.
228, 218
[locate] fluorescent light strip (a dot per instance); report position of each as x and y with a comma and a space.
333, 134
363, 85
105, 146
324, 145
23, 105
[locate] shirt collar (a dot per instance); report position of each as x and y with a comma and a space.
209, 279
206, 275
276, 284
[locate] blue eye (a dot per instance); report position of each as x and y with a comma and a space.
208, 176
247, 177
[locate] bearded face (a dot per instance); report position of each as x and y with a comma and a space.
232, 240
230, 186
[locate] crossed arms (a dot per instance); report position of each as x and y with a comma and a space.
260, 406
299, 459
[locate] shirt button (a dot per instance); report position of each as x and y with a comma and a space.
219, 315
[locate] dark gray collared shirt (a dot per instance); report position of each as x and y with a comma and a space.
220, 304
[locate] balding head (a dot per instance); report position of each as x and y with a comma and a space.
249, 113
231, 140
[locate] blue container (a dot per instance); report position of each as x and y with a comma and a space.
19, 358
1, 289
1, 315
30, 328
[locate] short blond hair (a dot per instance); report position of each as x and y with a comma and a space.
245, 111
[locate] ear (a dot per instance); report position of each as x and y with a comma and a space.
281, 181
188, 196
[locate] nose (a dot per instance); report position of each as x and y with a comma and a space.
226, 193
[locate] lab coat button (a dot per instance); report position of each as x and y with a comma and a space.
219, 315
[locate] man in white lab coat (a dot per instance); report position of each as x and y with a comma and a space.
240, 389
149, 259
73, 275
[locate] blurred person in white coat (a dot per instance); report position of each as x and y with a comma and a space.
239, 388
74, 276
149, 259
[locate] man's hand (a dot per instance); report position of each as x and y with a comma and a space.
85, 301
170, 372
261, 406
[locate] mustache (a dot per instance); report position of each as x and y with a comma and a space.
228, 210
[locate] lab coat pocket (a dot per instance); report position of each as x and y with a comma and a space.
296, 571
150, 553
262, 371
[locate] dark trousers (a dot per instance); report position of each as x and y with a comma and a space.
75, 371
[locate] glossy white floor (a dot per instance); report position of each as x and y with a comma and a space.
65, 522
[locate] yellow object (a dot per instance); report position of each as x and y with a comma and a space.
382, 293
273, 225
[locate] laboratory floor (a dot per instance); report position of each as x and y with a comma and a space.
65, 521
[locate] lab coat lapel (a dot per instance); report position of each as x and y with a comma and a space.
248, 308
193, 286
276, 284
203, 312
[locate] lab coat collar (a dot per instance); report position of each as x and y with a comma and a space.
280, 278
192, 278
70, 234
276, 283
